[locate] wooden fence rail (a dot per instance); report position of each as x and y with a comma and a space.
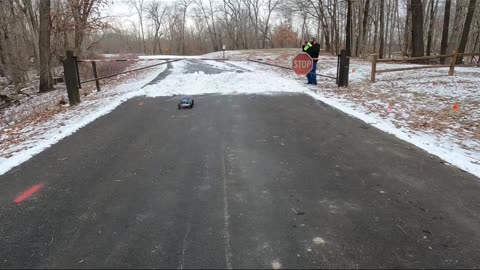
451, 66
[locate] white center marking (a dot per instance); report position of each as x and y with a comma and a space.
184, 246
226, 215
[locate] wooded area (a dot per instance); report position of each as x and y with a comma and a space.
35, 34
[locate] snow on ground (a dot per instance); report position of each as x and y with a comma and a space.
200, 83
414, 106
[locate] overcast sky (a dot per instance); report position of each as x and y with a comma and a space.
124, 13
120, 10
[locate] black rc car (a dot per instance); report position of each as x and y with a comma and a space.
186, 102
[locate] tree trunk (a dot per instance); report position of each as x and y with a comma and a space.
399, 31
44, 46
375, 37
392, 27
446, 23
430, 27
335, 27
143, 35
183, 30
408, 27
381, 49
360, 29
33, 32
454, 38
388, 26
348, 29
475, 45
364, 26
78, 35
466, 30
417, 28
9, 52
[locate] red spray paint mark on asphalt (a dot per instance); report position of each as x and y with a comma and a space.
140, 103
29, 192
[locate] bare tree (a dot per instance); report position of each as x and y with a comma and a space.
156, 12
466, 29
271, 5
417, 28
348, 29
408, 30
12, 63
430, 27
207, 16
364, 24
446, 23
454, 38
381, 49
27, 8
44, 47
184, 4
138, 5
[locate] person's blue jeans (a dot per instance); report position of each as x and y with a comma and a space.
312, 76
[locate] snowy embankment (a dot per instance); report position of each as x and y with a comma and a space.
415, 110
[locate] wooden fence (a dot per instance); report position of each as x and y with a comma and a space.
451, 65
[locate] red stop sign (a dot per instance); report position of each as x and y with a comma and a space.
302, 64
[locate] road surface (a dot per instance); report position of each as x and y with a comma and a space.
240, 181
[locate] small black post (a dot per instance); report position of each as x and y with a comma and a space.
78, 73
338, 70
95, 75
70, 76
343, 69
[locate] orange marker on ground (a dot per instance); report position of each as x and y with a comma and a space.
29, 192
456, 107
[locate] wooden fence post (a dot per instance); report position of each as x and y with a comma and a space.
70, 74
451, 72
95, 75
342, 79
374, 68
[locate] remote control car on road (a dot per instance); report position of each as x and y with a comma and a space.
186, 102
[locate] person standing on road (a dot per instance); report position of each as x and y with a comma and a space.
313, 49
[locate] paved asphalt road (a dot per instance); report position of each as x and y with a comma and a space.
244, 181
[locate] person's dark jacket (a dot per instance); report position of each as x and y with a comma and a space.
314, 51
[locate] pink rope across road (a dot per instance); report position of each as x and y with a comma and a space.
115, 60
146, 59
164, 59
277, 59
